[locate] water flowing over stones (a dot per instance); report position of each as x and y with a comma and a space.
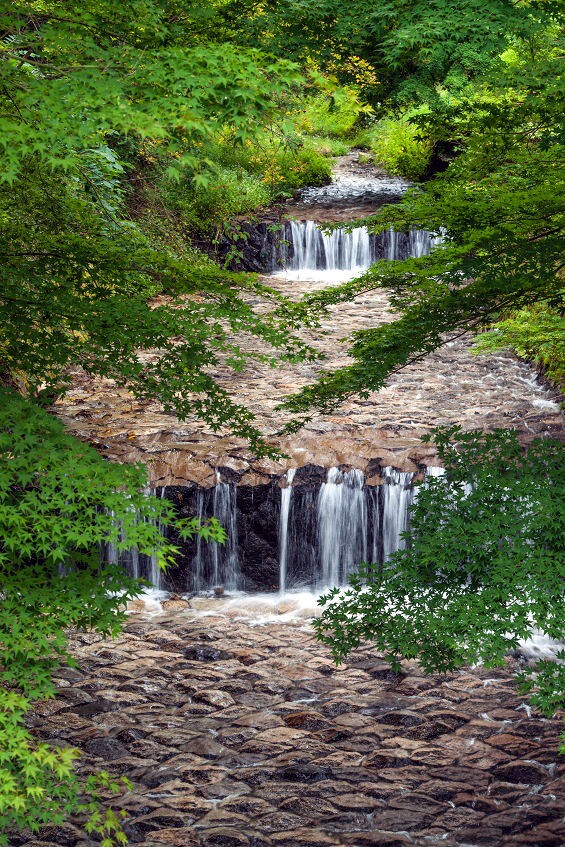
232, 722
303, 532
305, 246
286, 495
238, 735
486, 392
342, 525
397, 497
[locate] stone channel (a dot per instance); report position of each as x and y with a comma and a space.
451, 386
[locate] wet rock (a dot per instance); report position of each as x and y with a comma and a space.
206, 653
223, 837
378, 839
175, 604
176, 837
312, 721
310, 806
96, 707
214, 697
278, 821
402, 717
386, 759
139, 827
304, 773
303, 838
106, 748
305, 782
521, 771
355, 801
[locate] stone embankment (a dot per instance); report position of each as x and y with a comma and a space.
248, 736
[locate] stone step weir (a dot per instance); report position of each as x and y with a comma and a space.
298, 532
271, 246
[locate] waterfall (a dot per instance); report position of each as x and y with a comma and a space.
286, 496
312, 533
373, 508
397, 498
312, 249
198, 561
306, 248
225, 559
156, 574
138, 565
342, 525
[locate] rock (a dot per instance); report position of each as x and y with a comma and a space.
303, 838
361, 802
223, 837
206, 653
176, 837
220, 699
305, 773
521, 771
284, 764
108, 749
402, 717
175, 604
312, 721
386, 759
378, 839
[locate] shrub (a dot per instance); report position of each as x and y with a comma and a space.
397, 147
59, 500
226, 193
334, 113
483, 569
325, 145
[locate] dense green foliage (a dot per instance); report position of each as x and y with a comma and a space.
59, 500
484, 567
90, 94
395, 50
398, 147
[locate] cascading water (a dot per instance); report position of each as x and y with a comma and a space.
224, 556
342, 525
311, 249
306, 248
397, 498
286, 496
302, 535
326, 529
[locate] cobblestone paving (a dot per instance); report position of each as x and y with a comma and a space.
248, 736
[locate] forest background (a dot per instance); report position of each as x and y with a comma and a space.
133, 138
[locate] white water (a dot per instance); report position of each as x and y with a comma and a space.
397, 498
286, 496
225, 558
341, 254
342, 525
313, 249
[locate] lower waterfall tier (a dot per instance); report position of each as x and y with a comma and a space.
307, 535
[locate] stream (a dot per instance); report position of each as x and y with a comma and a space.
232, 722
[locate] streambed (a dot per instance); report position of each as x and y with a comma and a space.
238, 731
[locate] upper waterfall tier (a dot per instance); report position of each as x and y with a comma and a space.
306, 247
